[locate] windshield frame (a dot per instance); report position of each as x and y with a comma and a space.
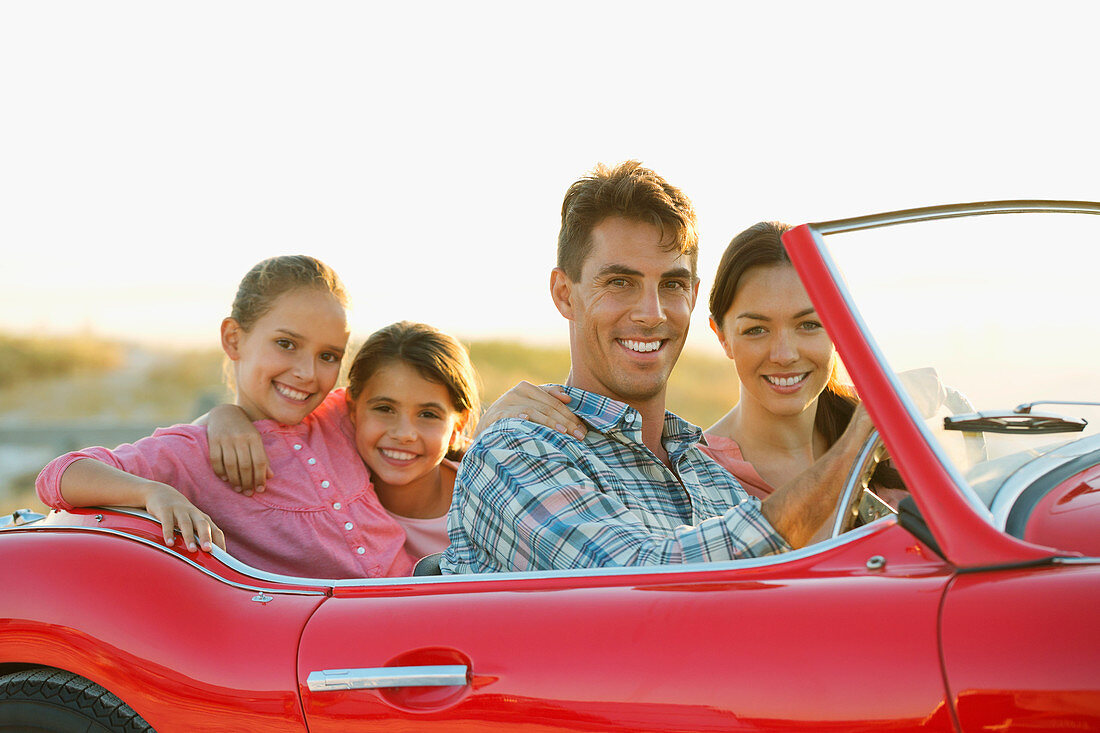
957, 517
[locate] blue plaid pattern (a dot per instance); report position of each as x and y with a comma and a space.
530, 498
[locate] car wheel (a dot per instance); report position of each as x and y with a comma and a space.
46, 699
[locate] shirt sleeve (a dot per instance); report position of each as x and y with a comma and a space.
171, 456
522, 503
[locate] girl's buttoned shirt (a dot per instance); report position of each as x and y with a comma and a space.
317, 517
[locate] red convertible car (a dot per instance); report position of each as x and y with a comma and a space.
976, 608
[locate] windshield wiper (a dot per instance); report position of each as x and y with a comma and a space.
1020, 420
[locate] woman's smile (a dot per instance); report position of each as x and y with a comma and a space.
787, 384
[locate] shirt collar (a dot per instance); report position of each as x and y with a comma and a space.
607, 415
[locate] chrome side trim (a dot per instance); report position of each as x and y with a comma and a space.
231, 562
1030, 472
949, 211
650, 570
373, 678
1075, 560
161, 548
406, 581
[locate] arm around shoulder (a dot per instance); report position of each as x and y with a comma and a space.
236, 448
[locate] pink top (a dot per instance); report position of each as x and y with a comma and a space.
317, 517
425, 536
727, 454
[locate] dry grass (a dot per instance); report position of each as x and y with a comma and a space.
25, 359
80, 377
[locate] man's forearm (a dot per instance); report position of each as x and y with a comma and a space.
799, 508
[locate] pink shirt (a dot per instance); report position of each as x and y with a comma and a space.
425, 536
317, 517
727, 454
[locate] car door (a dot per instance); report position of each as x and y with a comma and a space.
815, 636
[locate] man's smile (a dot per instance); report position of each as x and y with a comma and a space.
640, 346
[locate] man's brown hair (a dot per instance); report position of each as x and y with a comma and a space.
632, 192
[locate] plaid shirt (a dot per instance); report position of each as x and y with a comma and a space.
530, 498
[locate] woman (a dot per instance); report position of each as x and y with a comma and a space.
792, 405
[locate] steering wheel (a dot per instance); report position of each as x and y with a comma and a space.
858, 503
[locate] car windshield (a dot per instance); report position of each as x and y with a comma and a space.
1003, 307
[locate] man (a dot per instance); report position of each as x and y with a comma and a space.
635, 490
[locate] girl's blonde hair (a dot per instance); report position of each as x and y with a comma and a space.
438, 358
277, 275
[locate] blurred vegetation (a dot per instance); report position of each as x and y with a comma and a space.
137, 384
32, 358
187, 383
64, 381
81, 377
19, 494
501, 364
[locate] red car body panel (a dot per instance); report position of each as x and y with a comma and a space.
711, 664
180, 648
1000, 678
1068, 515
189, 652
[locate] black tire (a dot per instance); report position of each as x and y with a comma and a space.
46, 700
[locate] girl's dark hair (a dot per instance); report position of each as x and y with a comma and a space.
436, 356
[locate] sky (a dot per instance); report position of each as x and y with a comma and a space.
153, 152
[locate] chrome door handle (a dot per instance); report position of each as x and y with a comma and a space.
370, 678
